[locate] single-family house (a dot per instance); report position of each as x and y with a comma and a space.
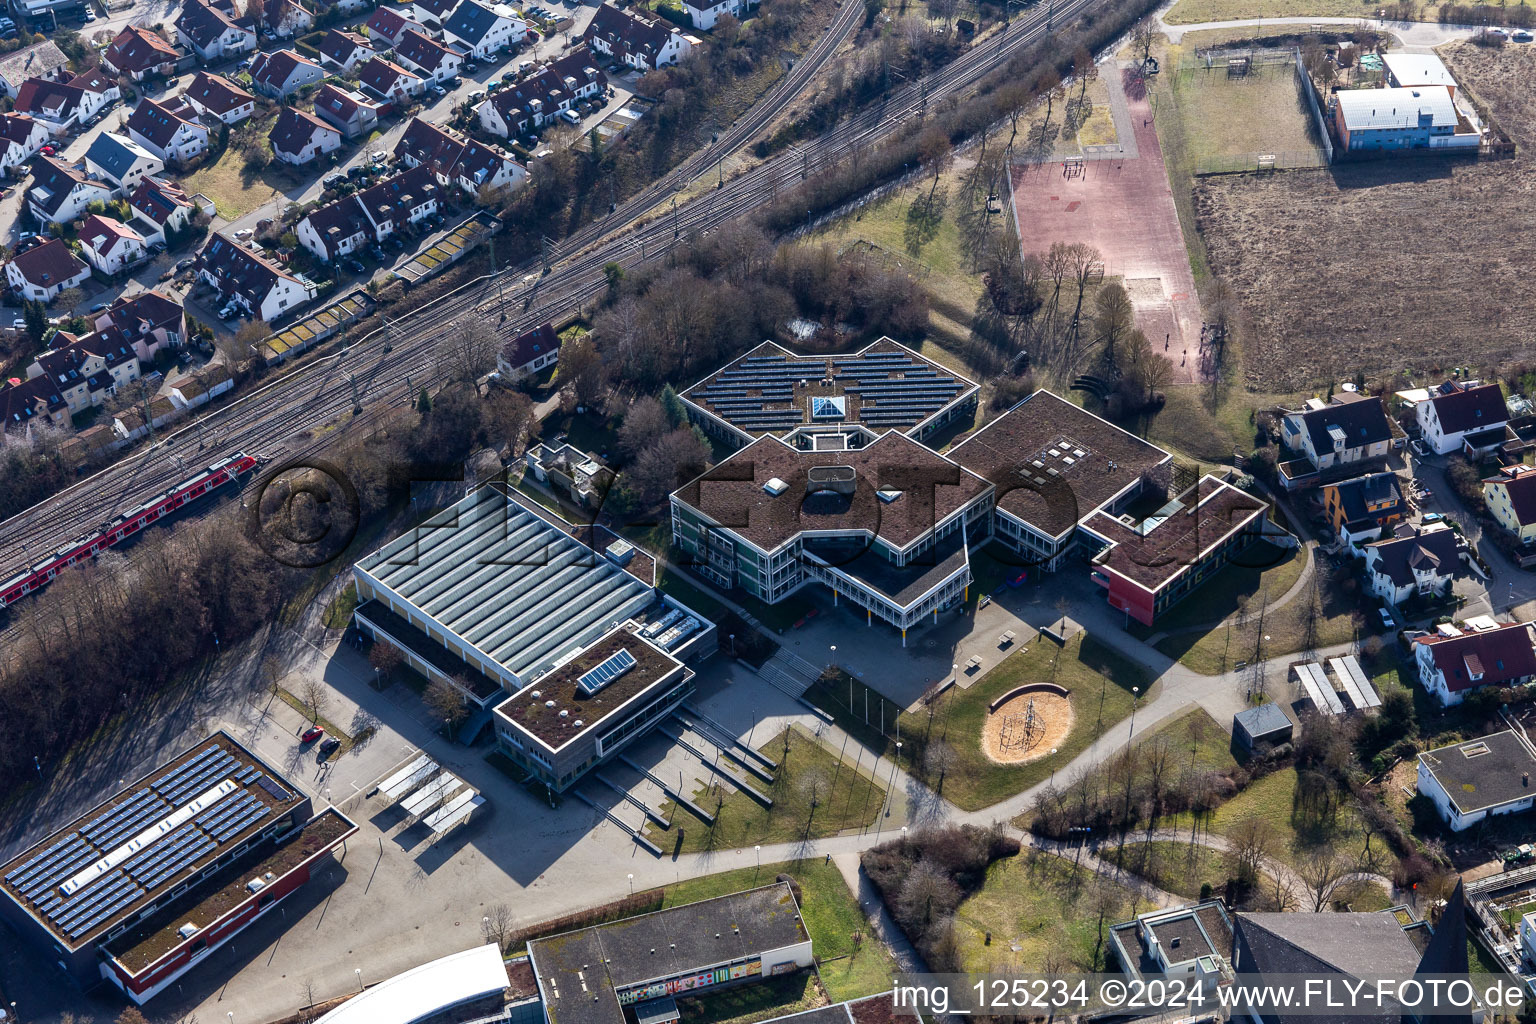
216, 98
87, 371
483, 31
640, 40
59, 105
21, 137
212, 32
1360, 509
102, 92
1333, 437
163, 205
456, 160
528, 353
120, 160
41, 60
371, 215
251, 280
60, 192
388, 81
351, 113
1413, 562
432, 11
146, 321
110, 245
281, 74
426, 56
166, 133
386, 25
1453, 661
137, 53
537, 98
297, 137
1511, 497
344, 50
44, 271
706, 13
1479, 778
201, 386
285, 19
30, 400
1461, 416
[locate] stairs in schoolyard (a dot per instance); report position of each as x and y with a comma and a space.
789, 672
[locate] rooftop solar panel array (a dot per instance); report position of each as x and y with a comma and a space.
40, 880
611, 668
757, 394
515, 589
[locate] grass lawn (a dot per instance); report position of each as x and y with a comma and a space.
1099, 128
1196, 740
746, 1004
1191, 12
1272, 799
1260, 113
1098, 678
813, 796
236, 191
1036, 904
853, 964
332, 730
338, 614
1284, 629
1172, 866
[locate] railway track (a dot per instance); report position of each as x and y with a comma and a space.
277, 420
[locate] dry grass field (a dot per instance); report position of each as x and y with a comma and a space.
1413, 264
1262, 113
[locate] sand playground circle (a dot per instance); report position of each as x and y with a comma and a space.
1028, 725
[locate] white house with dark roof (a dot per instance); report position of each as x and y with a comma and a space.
644, 42
60, 192
21, 138
298, 138
165, 133
1333, 436
145, 321
285, 19
216, 98
212, 32
436, 11
120, 160
351, 113
388, 81
1479, 778
44, 271
706, 14
281, 74
386, 26
1458, 415
1414, 562
252, 280
538, 97
371, 215
483, 31
427, 57
59, 104
529, 353
456, 160
87, 371
162, 205
41, 60
344, 50
110, 245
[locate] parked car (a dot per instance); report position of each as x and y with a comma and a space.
455, 82
570, 117
357, 172
1387, 619
328, 748
439, 90
356, 266
7, 27
89, 15
477, 96
244, 64
185, 264
331, 181
19, 324
98, 307
1520, 35
523, 66
312, 734
471, 67
244, 233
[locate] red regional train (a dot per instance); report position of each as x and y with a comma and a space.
38, 575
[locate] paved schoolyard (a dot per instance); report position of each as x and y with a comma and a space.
1124, 208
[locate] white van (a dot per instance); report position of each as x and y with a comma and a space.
570, 117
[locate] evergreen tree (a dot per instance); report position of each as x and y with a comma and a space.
37, 320
676, 413
423, 402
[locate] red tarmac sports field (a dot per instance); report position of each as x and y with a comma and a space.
1123, 207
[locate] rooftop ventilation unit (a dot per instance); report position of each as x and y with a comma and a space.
187, 930
620, 552
775, 487
841, 479
887, 494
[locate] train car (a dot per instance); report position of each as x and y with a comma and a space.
38, 575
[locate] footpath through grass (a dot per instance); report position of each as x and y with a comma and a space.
947, 743
1037, 905
813, 794
853, 962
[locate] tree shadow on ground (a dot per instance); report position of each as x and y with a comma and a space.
923, 219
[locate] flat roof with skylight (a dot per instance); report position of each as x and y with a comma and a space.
127, 852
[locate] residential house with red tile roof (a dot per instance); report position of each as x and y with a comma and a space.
528, 353
1511, 497
138, 53
298, 138
456, 160
1452, 666
386, 26
24, 401
285, 19
388, 81
146, 321
59, 105
281, 74
110, 245
21, 137
44, 271
163, 205
426, 56
642, 41
166, 133
251, 279
351, 113
86, 371
216, 98
212, 32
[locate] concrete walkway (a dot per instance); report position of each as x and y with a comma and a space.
1414, 35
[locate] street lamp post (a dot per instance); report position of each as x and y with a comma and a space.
1135, 697
759, 851
359, 972
631, 883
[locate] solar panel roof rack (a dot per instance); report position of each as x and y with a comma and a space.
170, 778
63, 848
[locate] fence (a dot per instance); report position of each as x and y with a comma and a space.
1241, 163
1309, 90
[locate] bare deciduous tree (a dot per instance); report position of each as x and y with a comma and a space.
1250, 843
316, 699
1322, 874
